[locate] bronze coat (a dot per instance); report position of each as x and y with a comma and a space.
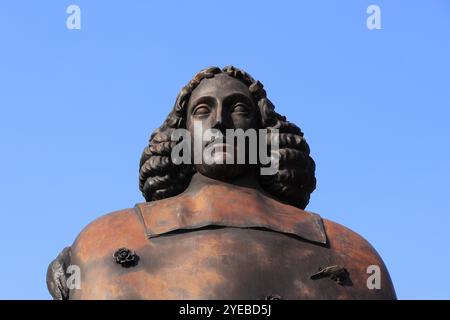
224, 242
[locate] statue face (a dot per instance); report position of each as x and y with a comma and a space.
221, 103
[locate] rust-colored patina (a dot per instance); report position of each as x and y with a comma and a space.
221, 241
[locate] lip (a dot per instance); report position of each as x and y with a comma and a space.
218, 144
219, 147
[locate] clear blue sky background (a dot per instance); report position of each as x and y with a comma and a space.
77, 107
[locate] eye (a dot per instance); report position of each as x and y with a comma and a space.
201, 109
240, 108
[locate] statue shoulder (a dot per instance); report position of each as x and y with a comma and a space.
97, 240
343, 239
361, 256
108, 233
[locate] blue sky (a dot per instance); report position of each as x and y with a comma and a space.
77, 108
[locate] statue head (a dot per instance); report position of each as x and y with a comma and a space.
226, 99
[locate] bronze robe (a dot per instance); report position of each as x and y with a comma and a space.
224, 242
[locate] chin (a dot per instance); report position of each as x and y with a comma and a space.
224, 172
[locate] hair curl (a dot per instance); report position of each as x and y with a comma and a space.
295, 180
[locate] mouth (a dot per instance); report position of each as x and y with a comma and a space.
219, 147
217, 143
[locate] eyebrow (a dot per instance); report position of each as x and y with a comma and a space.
202, 99
233, 97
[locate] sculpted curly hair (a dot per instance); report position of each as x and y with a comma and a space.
295, 180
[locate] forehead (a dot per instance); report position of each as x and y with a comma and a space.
220, 85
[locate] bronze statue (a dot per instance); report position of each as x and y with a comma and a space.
217, 230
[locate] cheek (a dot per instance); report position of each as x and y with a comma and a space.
197, 123
241, 122
197, 128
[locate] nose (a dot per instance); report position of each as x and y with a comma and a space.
218, 121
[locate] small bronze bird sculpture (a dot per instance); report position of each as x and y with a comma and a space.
336, 273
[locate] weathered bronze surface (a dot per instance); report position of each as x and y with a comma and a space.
221, 231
